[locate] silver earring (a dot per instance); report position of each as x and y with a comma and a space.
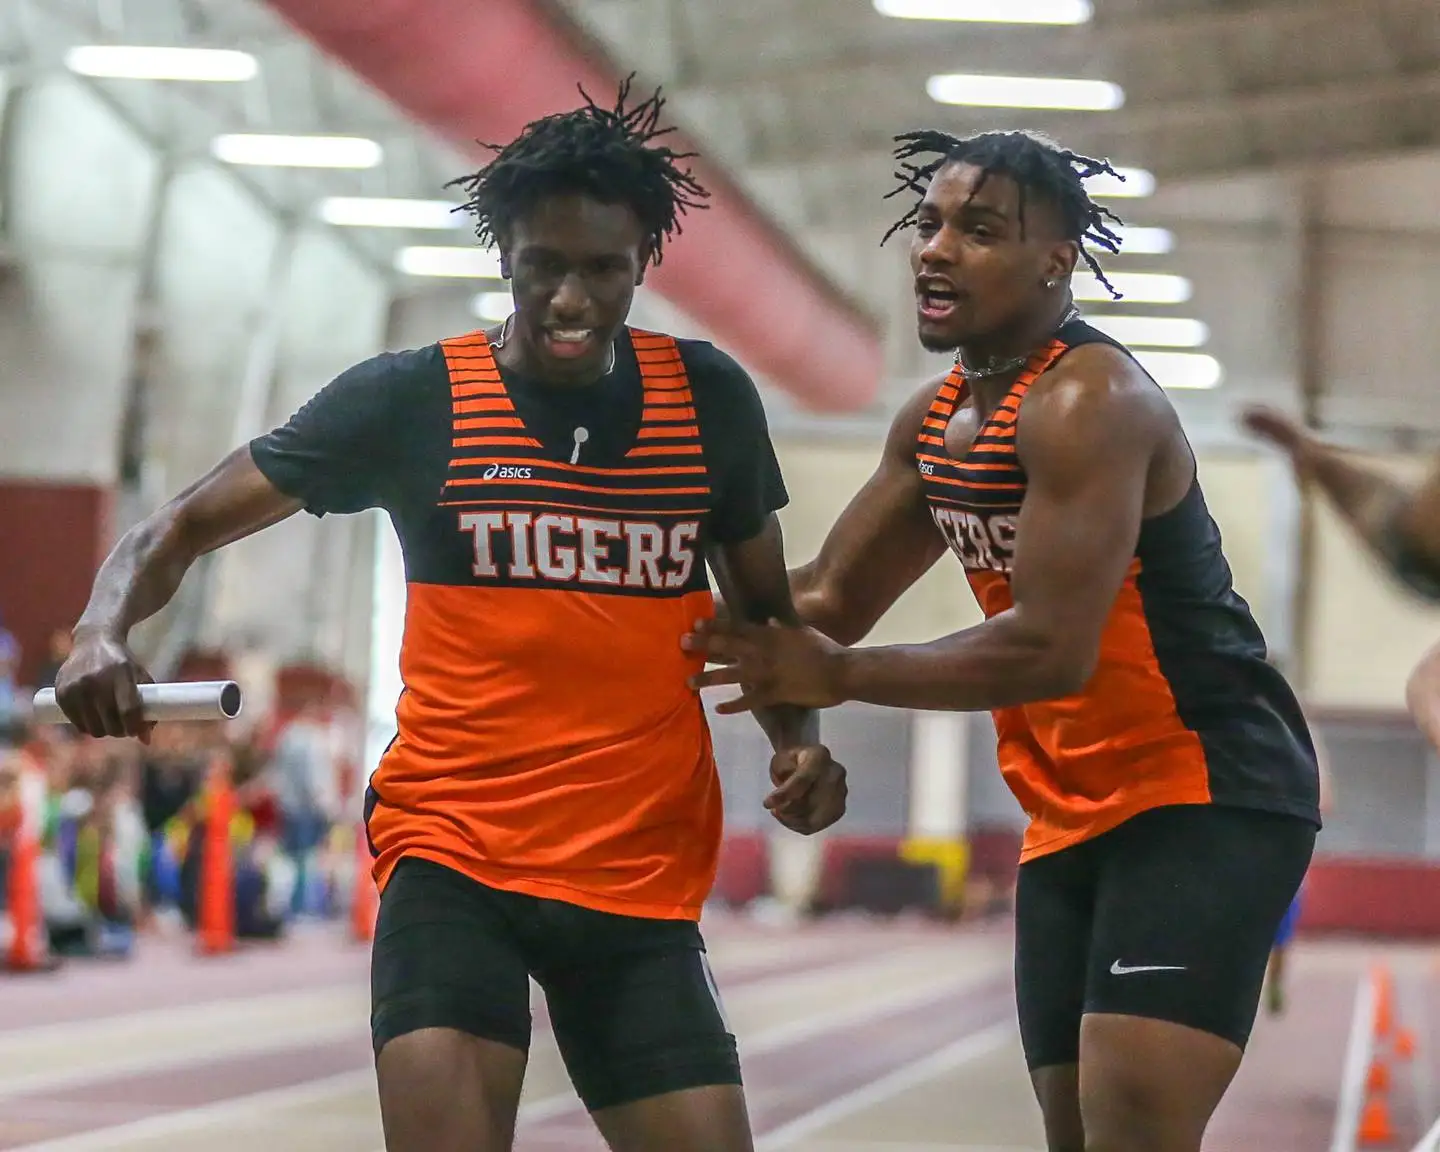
1050, 284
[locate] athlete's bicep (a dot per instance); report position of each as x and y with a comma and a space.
882, 542
231, 501
1086, 446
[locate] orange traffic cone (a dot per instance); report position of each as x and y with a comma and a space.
28, 951
1404, 1044
1375, 1127
365, 905
215, 895
1378, 1079
1384, 1002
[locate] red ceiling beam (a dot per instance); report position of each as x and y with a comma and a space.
482, 69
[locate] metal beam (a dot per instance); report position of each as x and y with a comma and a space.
252, 187
734, 270
1310, 380
859, 148
1075, 50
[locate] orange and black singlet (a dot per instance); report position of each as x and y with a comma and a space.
1183, 706
554, 551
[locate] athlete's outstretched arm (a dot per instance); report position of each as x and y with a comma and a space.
1399, 523
1086, 439
881, 544
97, 687
309, 462
1422, 696
810, 790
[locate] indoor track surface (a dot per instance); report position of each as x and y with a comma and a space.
856, 1034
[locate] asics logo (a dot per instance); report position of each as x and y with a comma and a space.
507, 472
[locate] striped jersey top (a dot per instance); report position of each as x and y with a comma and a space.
1183, 706
554, 542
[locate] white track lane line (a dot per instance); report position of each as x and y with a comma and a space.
1430, 1142
784, 1035
208, 1115
1358, 1049
912, 1075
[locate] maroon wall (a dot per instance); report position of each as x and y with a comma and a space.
1373, 897
52, 540
1387, 898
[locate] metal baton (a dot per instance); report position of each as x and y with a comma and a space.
163, 703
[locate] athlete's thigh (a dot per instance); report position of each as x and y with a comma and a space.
1188, 904
639, 1022
712, 1119
1054, 906
450, 1013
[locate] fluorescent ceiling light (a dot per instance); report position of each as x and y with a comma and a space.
131, 62
1136, 182
1024, 92
1182, 370
1134, 287
467, 263
1153, 331
492, 306
989, 11
376, 212
1145, 241
297, 151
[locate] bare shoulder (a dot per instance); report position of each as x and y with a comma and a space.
1096, 392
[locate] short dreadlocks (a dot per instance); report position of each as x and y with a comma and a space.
1036, 164
608, 154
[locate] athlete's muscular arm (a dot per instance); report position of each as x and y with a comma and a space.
1087, 439
97, 687
747, 556
882, 543
336, 454
752, 579
1400, 523
810, 788
1422, 696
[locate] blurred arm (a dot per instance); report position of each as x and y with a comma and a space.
1422, 696
1399, 523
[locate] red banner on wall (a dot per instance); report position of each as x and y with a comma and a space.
53, 538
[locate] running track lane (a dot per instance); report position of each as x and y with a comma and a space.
167, 974
792, 1081
786, 1081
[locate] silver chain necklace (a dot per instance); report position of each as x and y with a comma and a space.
1004, 367
500, 341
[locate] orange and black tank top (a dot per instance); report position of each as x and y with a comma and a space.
547, 741
1183, 706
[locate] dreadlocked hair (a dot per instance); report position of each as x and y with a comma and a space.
608, 154
1036, 164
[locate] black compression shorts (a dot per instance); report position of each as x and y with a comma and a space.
1170, 916
632, 1002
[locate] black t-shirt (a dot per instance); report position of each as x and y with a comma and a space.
379, 435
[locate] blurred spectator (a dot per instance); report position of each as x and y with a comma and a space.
120, 825
9, 676
60, 645
305, 778
171, 769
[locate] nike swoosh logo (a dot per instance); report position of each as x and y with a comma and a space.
1118, 969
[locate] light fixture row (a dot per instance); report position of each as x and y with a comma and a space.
1173, 369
